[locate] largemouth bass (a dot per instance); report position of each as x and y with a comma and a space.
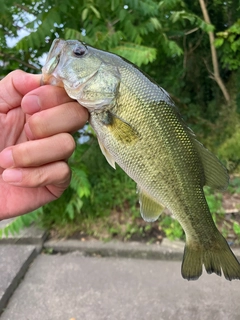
139, 127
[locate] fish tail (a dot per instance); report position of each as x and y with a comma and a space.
217, 258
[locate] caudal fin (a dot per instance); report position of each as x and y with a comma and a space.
217, 258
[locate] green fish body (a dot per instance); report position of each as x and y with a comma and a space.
139, 127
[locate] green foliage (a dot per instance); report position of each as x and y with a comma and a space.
234, 185
229, 41
184, 16
172, 228
214, 200
230, 148
18, 223
236, 228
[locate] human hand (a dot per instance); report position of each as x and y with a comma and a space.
35, 142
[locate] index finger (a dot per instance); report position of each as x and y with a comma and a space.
43, 98
14, 86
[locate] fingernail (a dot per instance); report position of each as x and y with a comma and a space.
12, 175
6, 158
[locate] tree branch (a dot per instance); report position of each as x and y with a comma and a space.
191, 31
26, 64
216, 73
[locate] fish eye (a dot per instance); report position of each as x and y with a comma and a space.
79, 51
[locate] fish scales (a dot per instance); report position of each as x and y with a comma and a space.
139, 127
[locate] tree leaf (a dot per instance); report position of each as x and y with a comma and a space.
96, 12
85, 14
218, 42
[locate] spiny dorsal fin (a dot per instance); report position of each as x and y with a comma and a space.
216, 175
149, 208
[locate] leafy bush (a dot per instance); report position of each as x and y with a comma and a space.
172, 228
229, 41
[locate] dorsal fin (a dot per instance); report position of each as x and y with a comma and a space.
216, 175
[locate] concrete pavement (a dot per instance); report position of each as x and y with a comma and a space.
96, 281
71, 286
14, 262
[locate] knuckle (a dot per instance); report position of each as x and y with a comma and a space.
58, 174
40, 177
22, 155
36, 127
36, 177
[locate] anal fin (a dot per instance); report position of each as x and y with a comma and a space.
149, 208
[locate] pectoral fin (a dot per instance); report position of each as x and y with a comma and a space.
120, 129
149, 208
107, 155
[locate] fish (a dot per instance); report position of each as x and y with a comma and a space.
139, 127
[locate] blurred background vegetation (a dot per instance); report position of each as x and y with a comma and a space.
190, 47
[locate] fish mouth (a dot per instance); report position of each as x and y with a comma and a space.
48, 72
51, 79
52, 61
